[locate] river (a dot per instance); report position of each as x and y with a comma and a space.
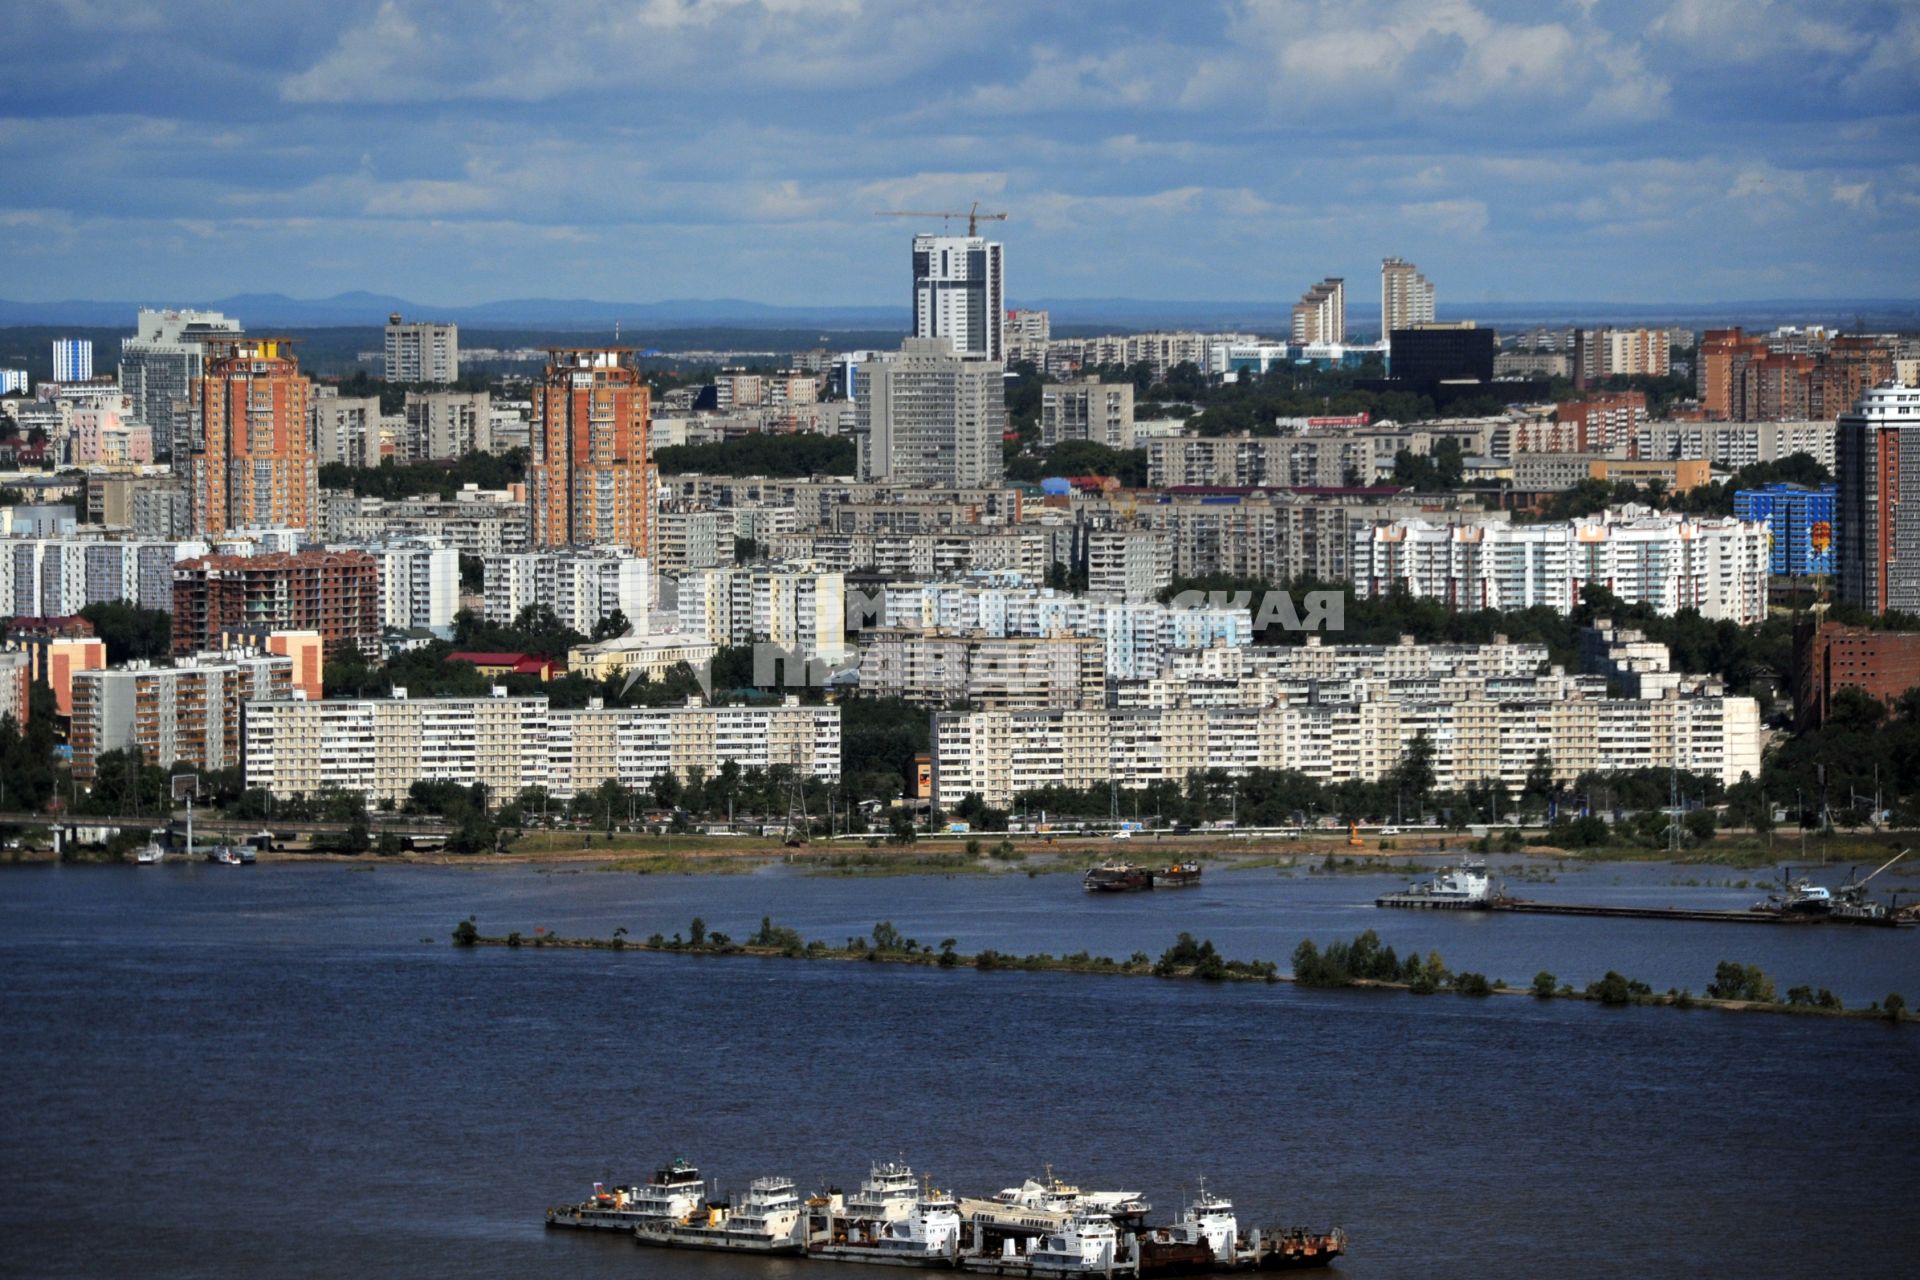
221, 1072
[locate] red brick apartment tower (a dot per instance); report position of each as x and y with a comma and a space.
250, 462
589, 480
336, 593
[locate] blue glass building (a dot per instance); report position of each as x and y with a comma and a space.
1800, 517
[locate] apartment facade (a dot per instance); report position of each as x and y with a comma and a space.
589, 480
930, 417
335, 593
581, 586
445, 426
417, 351
380, 747
1100, 412
959, 295
1477, 737
250, 461
1716, 566
186, 713
1878, 524
1321, 314
941, 668
1406, 297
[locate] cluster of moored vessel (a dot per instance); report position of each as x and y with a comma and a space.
1039, 1228
1114, 876
1468, 887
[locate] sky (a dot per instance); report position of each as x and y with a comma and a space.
461, 151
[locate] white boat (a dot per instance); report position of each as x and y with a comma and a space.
150, 854
1063, 1197
1466, 887
1208, 1223
928, 1236
887, 1195
768, 1219
672, 1195
1085, 1244
225, 855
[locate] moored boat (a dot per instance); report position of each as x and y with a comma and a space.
1116, 877
1181, 875
671, 1194
1466, 887
768, 1219
927, 1236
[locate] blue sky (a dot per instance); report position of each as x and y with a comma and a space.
459, 151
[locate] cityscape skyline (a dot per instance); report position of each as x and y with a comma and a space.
1604, 152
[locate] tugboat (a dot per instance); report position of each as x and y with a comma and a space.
1116, 877
1799, 897
888, 1194
928, 1236
670, 1196
1466, 887
1204, 1239
1181, 875
769, 1219
225, 855
1851, 905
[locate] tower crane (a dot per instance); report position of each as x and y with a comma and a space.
973, 216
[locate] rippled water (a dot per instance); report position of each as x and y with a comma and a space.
222, 1072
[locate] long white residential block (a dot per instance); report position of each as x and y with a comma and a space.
381, 746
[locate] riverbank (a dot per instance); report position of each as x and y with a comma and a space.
1191, 960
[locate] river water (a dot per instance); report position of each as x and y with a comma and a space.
221, 1072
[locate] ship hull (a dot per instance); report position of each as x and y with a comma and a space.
875, 1256
1427, 902
685, 1238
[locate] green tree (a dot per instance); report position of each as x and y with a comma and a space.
131, 633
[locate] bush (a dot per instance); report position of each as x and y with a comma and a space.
513, 939
1895, 1004
465, 934
1611, 989
1543, 985
1472, 984
1733, 981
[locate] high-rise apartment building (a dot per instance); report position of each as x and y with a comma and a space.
250, 461
346, 429
72, 359
160, 365
589, 480
1321, 314
421, 352
931, 417
1878, 513
1028, 333
189, 712
1406, 297
336, 593
1098, 411
1607, 353
959, 295
446, 425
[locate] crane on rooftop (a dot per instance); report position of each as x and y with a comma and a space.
973, 216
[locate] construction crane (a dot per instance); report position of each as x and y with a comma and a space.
973, 216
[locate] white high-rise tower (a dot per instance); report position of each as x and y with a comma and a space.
959, 293
1406, 297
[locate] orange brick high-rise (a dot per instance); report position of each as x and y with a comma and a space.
250, 461
589, 482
